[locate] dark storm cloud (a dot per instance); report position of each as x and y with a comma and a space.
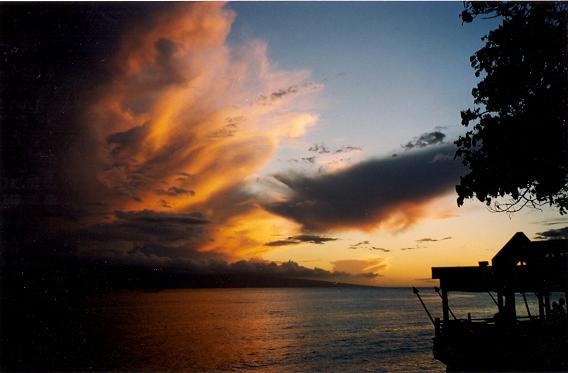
371, 192
149, 216
145, 226
55, 56
426, 139
294, 240
137, 234
553, 234
162, 251
171, 240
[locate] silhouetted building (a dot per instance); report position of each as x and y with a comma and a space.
507, 341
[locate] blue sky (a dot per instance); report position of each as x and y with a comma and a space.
391, 70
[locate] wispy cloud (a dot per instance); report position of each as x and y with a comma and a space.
367, 246
174, 191
360, 243
304, 238
558, 221
309, 159
553, 234
347, 149
426, 139
319, 148
428, 239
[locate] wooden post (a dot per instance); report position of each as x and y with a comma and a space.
547, 304
445, 305
540, 306
500, 302
493, 298
510, 305
527, 306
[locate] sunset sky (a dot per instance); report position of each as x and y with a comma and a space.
318, 133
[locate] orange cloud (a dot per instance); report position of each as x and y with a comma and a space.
244, 235
186, 118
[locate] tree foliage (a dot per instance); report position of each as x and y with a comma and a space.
516, 145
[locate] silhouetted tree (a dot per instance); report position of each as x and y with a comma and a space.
516, 145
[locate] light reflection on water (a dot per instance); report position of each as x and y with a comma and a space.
311, 329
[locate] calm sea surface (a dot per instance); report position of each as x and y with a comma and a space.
308, 329
270, 330
275, 330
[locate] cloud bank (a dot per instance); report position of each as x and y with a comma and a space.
391, 192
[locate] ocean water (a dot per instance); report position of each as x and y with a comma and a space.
274, 330
267, 330
258, 330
